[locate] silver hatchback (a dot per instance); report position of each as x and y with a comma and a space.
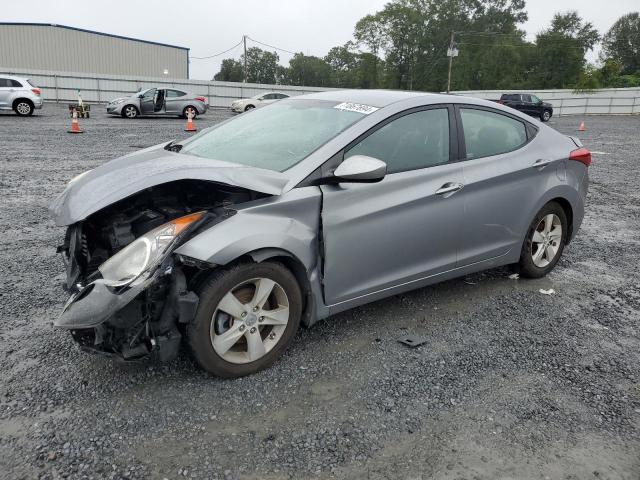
303, 209
17, 94
159, 101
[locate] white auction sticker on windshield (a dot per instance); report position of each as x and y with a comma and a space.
356, 107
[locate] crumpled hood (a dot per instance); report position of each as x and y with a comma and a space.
130, 174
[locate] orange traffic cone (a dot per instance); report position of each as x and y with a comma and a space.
581, 127
75, 126
190, 127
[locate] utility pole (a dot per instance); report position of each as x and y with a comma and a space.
244, 40
451, 52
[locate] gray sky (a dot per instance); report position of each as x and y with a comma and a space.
208, 27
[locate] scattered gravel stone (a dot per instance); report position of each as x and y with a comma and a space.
508, 381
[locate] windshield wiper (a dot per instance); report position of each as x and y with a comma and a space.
173, 147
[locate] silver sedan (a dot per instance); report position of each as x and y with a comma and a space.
257, 101
304, 209
159, 101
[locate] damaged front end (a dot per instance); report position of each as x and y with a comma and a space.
129, 294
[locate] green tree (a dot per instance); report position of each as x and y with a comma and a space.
230, 71
262, 66
307, 70
559, 60
622, 43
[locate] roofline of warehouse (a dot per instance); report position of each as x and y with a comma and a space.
30, 24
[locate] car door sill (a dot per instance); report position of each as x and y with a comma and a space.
406, 286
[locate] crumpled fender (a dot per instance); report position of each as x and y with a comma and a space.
288, 223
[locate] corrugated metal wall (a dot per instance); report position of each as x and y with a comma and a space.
46, 47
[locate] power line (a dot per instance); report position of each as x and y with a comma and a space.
218, 54
271, 46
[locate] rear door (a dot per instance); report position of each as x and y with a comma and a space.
504, 172
174, 100
528, 106
378, 236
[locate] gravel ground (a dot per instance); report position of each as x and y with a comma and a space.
510, 383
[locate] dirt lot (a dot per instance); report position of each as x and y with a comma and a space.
511, 384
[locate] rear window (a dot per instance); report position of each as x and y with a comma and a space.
488, 133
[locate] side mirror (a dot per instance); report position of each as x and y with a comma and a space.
360, 169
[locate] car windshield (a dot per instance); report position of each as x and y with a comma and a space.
275, 137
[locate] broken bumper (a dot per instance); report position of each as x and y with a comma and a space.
95, 304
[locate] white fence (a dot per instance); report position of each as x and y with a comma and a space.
607, 101
99, 88
63, 86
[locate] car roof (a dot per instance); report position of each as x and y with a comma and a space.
13, 77
375, 98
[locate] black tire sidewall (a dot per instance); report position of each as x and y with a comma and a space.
249, 107
124, 112
527, 267
212, 291
542, 117
24, 114
195, 112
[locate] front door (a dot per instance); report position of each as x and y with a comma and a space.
378, 236
148, 101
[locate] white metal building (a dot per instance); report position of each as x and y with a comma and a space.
45, 46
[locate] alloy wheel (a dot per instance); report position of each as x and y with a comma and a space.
545, 243
130, 112
546, 116
23, 108
249, 321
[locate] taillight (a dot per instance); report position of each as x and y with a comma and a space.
581, 155
202, 99
36, 91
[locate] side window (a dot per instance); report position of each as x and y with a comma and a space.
175, 93
4, 82
487, 133
15, 84
269, 96
282, 95
526, 98
416, 140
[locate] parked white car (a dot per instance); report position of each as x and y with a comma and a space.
261, 100
17, 94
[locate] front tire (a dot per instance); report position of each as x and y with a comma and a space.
545, 241
130, 111
546, 116
249, 107
24, 108
246, 318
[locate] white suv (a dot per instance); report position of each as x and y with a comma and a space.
19, 95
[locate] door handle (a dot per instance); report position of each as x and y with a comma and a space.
450, 187
541, 163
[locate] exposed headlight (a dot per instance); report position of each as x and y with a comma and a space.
118, 101
144, 252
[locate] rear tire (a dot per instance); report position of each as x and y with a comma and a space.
544, 242
22, 107
226, 344
194, 112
